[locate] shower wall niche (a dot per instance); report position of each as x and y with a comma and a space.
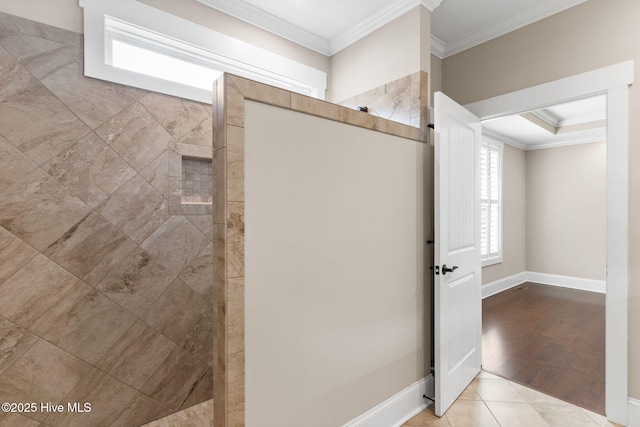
105, 260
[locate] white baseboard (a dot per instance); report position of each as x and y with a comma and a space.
545, 279
503, 284
568, 282
633, 413
399, 408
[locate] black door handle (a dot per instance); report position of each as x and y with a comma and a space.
446, 269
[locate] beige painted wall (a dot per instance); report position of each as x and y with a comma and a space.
211, 18
65, 14
594, 34
387, 54
514, 216
334, 250
566, 210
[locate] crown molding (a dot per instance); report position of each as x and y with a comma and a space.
502, 27
431, 5
498, 137
261, 19
548, 117
371, 24
437, 47
586, 137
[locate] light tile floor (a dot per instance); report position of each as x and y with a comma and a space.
200, 415
491, 401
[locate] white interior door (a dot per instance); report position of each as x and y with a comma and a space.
457, 293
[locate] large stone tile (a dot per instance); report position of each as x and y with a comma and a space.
14, 254
235, 239
136, 356
93, 101
197, 415
427, 418
39, 210
564, 415
533, 396
90, 249
39, 294
516, 414
14, 342
204, 223
176, 312
176, 243
176, 379
38, 124
235, 388
235, 164
202, 392
178, 116
199, 273
497, 390
314, 106
90, 328
13, 165
43, 374
14, 78
90, 170
219, 263
199, 341
136, 282
141, 410
202, 134
600, 420
157, 173
136, 136
470, 413
8, 419
106, 395
470, 393
219, 196
235, 315
40, 56
136, 209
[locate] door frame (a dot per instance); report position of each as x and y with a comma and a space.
612, 81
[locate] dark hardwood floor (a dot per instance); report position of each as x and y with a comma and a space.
548, 338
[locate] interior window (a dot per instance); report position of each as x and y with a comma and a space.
491, 202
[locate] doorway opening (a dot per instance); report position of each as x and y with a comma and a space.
548, 331
612, 81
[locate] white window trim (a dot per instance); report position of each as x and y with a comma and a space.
499, 146
146, 26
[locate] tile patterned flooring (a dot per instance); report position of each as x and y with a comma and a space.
491, 401
200, 415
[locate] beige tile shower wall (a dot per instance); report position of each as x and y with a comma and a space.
105, 294
404, 100
231, 92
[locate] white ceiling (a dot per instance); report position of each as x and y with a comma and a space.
329, 26
574, 122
